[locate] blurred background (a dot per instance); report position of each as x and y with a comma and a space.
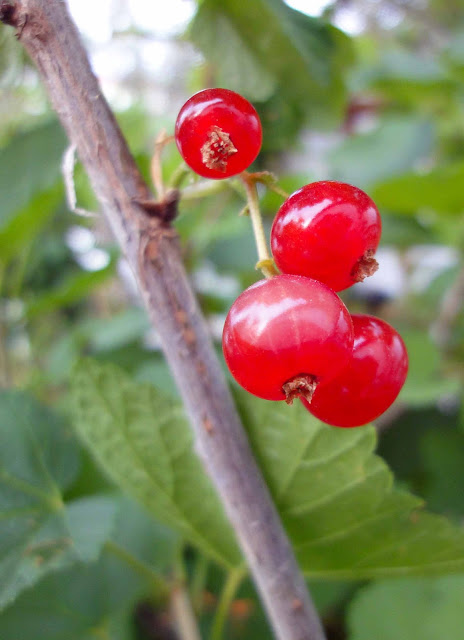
370, 92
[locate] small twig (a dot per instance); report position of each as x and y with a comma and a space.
5, 380
203, 189
184, 618
198, 581
181, 606
67, 169
156, 165
232, 583
265, 262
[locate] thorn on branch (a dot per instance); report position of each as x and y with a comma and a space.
165, 210
8, 13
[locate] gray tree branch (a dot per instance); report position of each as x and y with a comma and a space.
151, 247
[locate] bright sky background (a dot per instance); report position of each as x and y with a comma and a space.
168, 17
160, 17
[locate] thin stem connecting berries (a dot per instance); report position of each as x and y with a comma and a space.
290, 336
218, 133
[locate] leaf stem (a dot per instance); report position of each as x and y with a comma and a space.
197, 585
204, 188
184, 617
5, 378
231, 585
156, 166
181, 604
265, 262
158, 582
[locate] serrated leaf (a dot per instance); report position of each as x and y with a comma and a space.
417, 608
295, 55
41, 533
143, 442
338, 503
335, 496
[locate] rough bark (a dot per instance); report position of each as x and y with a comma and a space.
151, 247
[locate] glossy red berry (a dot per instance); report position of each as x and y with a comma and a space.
218, 133
284, 335
328, 231
371, 380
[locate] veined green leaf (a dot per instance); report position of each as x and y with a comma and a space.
297, 56
426, 608
338, 503
94, 601
39, 532
336, 498
143, 442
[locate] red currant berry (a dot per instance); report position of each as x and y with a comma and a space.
284, 335
218, 133
371, 381
328, 231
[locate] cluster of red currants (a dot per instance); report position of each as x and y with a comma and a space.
290, 336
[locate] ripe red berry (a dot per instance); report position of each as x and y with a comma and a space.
371, 380
328, 231
218, 133
284, 335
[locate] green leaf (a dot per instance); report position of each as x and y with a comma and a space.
387, 151
295, 55
30, 164
97, 601
443, 455
338, 503
137, 533
87, 602
40, 533
336, 498
425, 383
72, 289
27, 222
106, 334
143, 442
439, 190
428, 609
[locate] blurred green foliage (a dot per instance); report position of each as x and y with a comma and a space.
384, 110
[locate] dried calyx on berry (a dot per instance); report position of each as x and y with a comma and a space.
328, 231
369, 383
285, 335
218, 133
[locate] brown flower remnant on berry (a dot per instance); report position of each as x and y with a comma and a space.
366, 266
217, 149
302, 385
